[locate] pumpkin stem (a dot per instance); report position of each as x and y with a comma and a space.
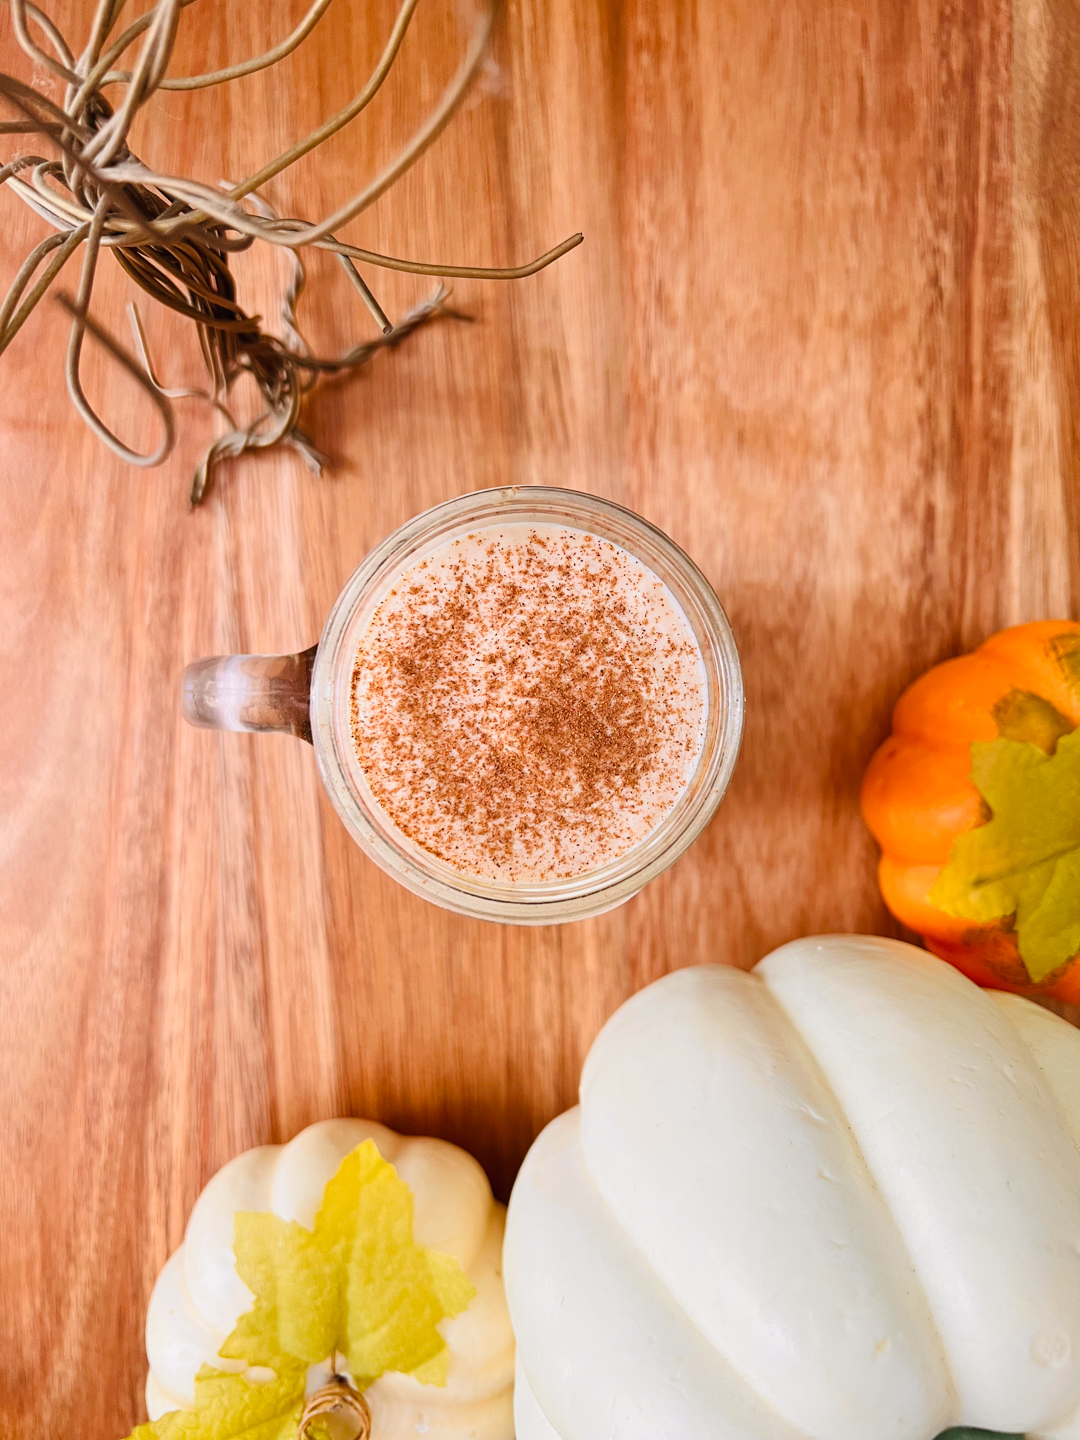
337, 1397
968, 1432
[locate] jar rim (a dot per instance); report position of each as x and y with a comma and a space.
533, 902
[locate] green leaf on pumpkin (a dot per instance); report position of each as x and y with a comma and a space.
356, 1284
1025, 861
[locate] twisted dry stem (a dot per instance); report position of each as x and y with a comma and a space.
174, 236
337, 1397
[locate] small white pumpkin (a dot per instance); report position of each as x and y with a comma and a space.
199, 1297
838, 1197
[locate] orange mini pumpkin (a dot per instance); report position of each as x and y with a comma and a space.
918, 796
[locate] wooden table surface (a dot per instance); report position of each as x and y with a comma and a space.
824, 330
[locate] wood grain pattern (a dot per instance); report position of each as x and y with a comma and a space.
824, 330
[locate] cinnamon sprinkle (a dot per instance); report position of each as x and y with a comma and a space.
528, 703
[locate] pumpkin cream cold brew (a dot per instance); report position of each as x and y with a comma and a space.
528, 703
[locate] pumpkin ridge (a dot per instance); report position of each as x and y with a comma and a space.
977, 1086
867, 1276
725, 1360
928, 1314
1043, 1034
708, 1379
246, 1182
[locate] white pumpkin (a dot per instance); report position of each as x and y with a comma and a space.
199, 1297
838, 1197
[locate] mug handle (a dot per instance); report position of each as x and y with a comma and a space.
250, 692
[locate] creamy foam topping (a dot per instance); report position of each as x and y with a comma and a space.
528, 702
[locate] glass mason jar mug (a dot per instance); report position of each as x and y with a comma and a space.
311, 695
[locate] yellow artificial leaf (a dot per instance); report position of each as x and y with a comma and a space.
433, 1371
453, 1288
1025, 861
228, 1407
297, 1288
396, 1294
357, 1282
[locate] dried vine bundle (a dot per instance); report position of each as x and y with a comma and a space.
174, 236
